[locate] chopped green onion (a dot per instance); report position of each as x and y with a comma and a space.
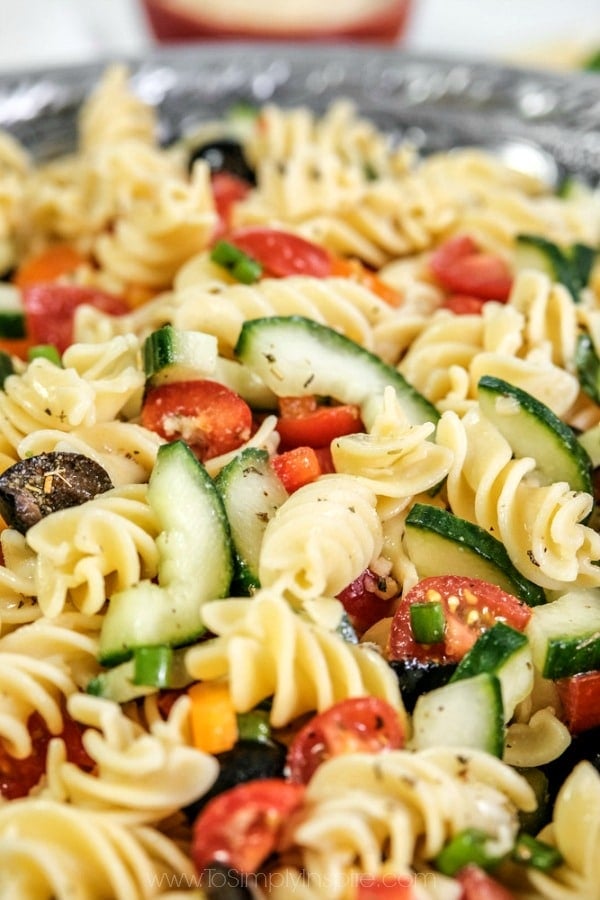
468, 846
159, 666
254, 726
428, 622
530, 851
45, 351
239, 265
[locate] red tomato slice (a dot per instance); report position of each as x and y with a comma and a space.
384, 887
281, 253
209, 417
50, 310
297, 467
19, 776
464, 304
240, 828
227, 190
367, 600
478, 885
316, 426
580, 698
355, 725
462, 268
471, 606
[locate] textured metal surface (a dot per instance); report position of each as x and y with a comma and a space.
438, 103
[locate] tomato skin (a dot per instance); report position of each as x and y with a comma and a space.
19, 776
478, 885
227, 190
241, 827
464, 599
384, 887
580, 699
355, 725
209, 417
464, 304
462, 268
310, 425
50, 310
282, 253
367, 600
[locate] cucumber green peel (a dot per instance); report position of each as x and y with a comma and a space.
533, 429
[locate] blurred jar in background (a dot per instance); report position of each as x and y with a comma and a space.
378, 21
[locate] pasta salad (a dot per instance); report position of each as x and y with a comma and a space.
300, 581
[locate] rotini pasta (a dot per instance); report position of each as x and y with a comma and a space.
268, 677
265, 650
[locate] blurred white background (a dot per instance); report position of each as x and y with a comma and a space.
41, 33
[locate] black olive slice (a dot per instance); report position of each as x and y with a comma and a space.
417, 677
224, 155
43, 484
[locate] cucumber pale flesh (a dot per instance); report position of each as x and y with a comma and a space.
295, 356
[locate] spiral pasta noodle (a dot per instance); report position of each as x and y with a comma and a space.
41, 664
394, 812
85, 553
264, 649
541, 526
301, 554
338, 302
394, 459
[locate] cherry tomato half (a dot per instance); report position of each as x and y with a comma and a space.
462, 268
358, 724
50, 310
464, 304
240, 828
471, 606
19, 776
209, 417
281, 253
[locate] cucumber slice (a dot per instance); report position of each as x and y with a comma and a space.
151, 669
295, 356
532, 429
12, 313
502, 651
251, 493
565, 635
587, 365
195, 561
173, 355
439, 543
466, 713
571, 266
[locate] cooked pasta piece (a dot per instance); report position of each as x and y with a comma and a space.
41, 664
320, 539
50, 849
138, 778
86, 553
266, 650
541, 526
394, 812
394, 459
575, 832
